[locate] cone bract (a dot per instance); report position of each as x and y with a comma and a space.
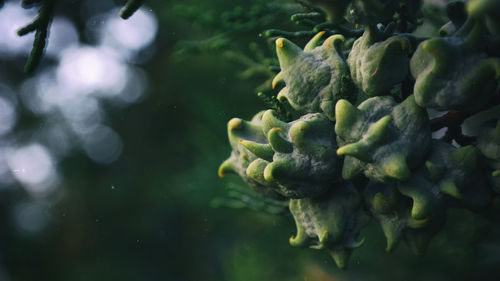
377, 64
315, 78
382, 139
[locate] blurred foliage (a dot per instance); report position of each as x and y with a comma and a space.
41, 26
148, 215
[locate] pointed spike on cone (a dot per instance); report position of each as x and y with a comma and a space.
422, 207
300, 239
297, 133
395, 167
435, 171
269, 173
341, 257
278, 142
334, 42
314, 42
235, 124
391, 242
282, 95
435, 47
240, 129
287, 52
274, 171
270, 121
390, 245
450, 188
260, 150
415, 223
226, 167
355, 244
255, 170
277, 79
346, 116
359, 150
397, 42
296, 241
317, 247
378, 130
325, 237
392, 232
439, 49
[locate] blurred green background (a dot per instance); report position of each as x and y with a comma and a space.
109, 154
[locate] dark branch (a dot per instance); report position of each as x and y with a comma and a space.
130, 8
40, 25
450, 119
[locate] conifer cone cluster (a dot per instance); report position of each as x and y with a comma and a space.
360, 145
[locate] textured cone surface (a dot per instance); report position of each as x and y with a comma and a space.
390, 139
304, 163
378, 64
332, 221
315, 79
454, 73
242, 132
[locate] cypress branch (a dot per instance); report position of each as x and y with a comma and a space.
40, 25
130, 8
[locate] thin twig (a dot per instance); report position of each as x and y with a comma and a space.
40, 25
130, 8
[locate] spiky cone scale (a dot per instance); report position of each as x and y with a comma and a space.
386, 139
332, 221
392, 212
304, 163
467, 170
425, 196
450, 177
316, 78
378, 63
454, 73
248, 143
489, 11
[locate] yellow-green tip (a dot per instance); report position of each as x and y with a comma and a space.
226, 167
279, 42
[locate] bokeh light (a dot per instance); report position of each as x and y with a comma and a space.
31, 217
131, 35
8, 116
69, 94
33, 166
12, 17
102, 144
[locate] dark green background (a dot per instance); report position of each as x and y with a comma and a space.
157, 222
